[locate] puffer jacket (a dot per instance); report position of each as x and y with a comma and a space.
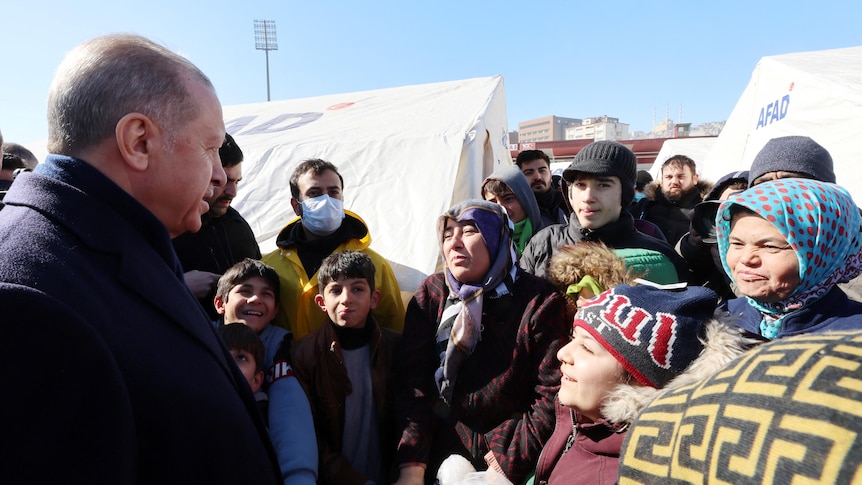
297, 310
673, 218
619, 234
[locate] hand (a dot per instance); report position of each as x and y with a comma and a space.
411, 475
201, 282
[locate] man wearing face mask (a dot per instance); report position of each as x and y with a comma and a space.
322, 228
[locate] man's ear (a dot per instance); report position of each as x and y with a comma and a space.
134, 134
375, 298
297, 206
320, 301
219, 304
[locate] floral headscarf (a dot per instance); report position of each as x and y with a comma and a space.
821, 223
461, 323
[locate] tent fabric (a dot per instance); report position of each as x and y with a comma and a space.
816, 94
694, 148
406, 155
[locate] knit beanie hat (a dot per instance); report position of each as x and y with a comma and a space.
793, 154
643, 178
606, 158
653, 333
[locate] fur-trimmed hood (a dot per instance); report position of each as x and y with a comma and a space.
651, 191
723, 341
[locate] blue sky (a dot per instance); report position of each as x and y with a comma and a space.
569, 58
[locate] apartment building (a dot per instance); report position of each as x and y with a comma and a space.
598, 128
549, 128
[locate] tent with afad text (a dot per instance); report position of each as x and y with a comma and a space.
406, 155
816, 94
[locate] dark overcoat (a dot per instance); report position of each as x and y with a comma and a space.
112, 373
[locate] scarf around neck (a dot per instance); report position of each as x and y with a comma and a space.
461, 323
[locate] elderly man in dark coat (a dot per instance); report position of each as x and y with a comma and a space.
112, 372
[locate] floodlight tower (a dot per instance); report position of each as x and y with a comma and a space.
264, 39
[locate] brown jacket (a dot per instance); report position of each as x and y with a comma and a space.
319, 365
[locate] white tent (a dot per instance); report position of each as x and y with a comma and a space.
406, 155
695, 148
816, 94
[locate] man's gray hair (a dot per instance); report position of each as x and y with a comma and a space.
108, 77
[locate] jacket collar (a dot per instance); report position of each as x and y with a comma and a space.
106, 219
618, 230
352, 227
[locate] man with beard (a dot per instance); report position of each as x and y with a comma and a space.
536, 166
669, 203
225, 237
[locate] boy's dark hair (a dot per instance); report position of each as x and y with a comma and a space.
239, 336
530, 155
345, 264
315, 165
230, 153
496, 187
242, 271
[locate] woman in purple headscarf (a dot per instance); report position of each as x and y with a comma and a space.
478, 371
787, 244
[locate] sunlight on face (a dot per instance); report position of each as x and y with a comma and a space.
589, 374
465, 252
762, 262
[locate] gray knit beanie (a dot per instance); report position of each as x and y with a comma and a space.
607, 158
793, 154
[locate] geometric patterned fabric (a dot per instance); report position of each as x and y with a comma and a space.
789, 411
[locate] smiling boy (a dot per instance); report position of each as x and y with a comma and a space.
345, 368
248, 293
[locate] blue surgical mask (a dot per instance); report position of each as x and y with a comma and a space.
322, 215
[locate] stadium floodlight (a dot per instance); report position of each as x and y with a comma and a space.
264, 39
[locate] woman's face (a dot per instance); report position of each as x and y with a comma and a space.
762, 262
589, 374
465, 251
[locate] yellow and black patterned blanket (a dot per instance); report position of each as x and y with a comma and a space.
789, 411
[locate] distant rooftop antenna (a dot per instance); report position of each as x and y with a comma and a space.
265, 40
680, 113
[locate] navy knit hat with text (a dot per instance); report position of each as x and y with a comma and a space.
793, 154
653, 333
607, 158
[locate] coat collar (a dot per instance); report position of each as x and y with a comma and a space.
106, 219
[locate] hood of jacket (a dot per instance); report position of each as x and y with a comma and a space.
723, 341
352, 227
511, 175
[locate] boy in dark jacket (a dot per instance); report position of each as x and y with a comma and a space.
345, 368
247, 351
601, 181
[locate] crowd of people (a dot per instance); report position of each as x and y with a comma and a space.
588, 328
